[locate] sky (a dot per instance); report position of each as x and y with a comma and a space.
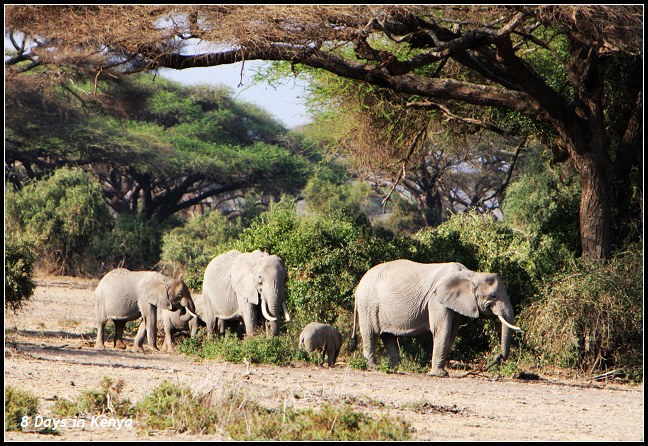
285, 102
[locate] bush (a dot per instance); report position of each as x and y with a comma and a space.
326, 255
106, 399
133, 243
18, 404
176, 407
61, 215
195, 244
591, 317
257, 350
482, 243
19, 261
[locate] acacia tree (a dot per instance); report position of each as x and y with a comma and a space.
493, 44
168, 149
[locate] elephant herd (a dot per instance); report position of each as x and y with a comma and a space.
246, 292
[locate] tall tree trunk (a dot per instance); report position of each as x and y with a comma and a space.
595, 215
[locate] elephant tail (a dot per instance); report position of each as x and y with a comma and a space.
353, 342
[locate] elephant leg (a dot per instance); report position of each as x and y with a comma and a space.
151, 331
222, 327
101, 325
250, 319
442, 342
168, 339
118, 343
369, 347
331, 355
391, 345
138, 345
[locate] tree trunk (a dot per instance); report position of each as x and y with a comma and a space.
595, 204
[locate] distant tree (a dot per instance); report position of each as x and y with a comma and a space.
441, 56
157, 148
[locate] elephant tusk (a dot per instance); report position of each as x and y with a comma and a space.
285, 310
512, 327
192, 313
266, 313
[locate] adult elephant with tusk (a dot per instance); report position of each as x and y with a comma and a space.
406, 298
241, 285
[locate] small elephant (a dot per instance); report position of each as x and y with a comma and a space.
405, 298
174, 321
323, 337
124, 295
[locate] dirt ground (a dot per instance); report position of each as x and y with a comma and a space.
49, 352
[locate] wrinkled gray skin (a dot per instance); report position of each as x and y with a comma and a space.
405, 298
124, 295
237, 284
317, 336
175, 321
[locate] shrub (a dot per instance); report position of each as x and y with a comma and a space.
176, 407
18, 404
106, 399
133, 243
19, 261
61, 215
256, 350
591, 316
195, 244
326, 255
482, 243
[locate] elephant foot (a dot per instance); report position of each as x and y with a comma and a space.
438, 372
119, 345
137, 349
99, 346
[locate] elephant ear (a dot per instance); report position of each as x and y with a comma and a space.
457, 292
246, 284
156, 292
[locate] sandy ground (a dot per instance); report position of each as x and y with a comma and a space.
49, 351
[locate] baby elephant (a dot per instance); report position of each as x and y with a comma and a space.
174, 322
323, 337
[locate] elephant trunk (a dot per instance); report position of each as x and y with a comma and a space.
272, 301
187, 311
507, 317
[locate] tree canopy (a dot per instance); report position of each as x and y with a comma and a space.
439, 57
164, 149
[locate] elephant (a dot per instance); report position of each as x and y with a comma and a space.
237, 285
406, 298
323, 337
174, 321
123, 295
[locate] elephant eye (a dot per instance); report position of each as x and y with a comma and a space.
492, 296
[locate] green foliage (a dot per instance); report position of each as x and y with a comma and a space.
60, 215
326, 255
106, 399
591, 316
328, 423
19, 264
196, 243
18, 404
484, 244
133, 243
178, 408
327, 191
544, 202
257, 350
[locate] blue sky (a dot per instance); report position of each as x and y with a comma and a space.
285, 102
